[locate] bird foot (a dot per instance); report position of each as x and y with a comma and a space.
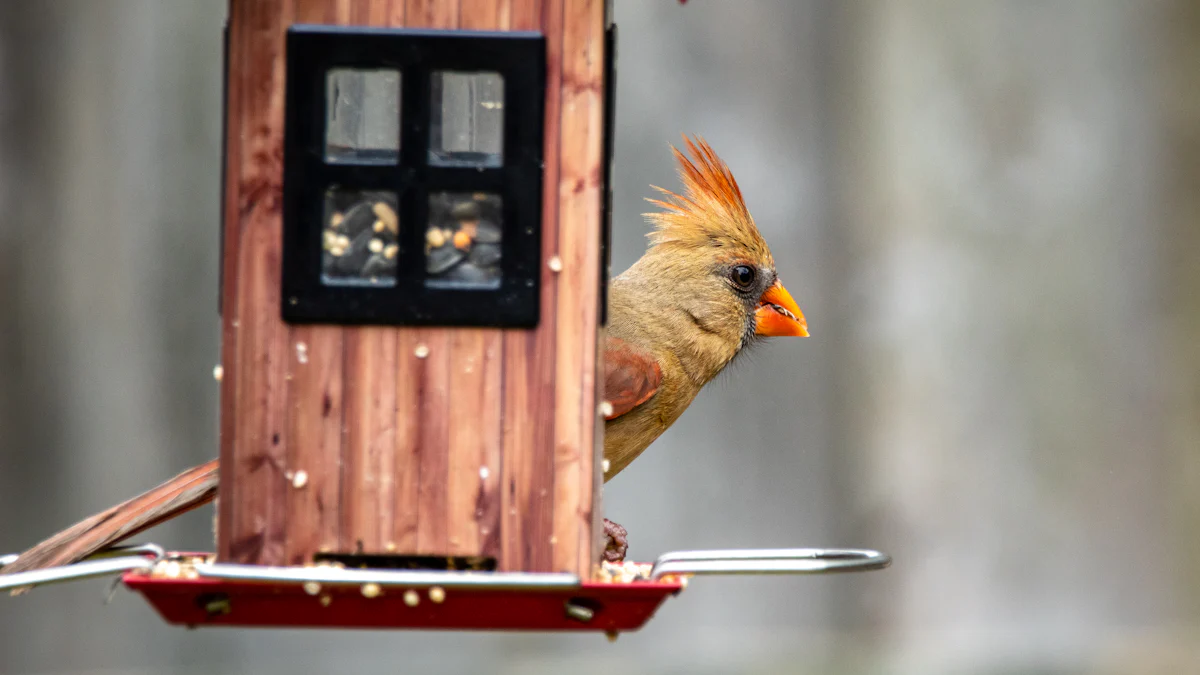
617, 542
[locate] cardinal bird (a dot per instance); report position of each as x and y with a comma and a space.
704, 291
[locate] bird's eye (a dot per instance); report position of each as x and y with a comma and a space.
742, 276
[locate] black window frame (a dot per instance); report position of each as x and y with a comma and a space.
520, 58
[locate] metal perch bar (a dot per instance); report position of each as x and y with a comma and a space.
769, 561
115, 560
728, 561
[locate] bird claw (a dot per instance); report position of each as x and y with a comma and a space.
617, 542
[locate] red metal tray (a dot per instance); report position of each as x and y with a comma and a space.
608, 607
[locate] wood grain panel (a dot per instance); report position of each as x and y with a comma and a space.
231, 238
253, 459
369, 450
579, 189
405, 460
406, 465
527, 481
479, 14
472, 497
431, 13
314, 444
433, 440
526, 14
315, 396
433, 434
369, 440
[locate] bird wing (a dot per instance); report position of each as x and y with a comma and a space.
631, 376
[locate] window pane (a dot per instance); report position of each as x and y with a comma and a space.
462, 241
362, 116
360, 240
467, 128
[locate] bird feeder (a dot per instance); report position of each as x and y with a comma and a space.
414, 259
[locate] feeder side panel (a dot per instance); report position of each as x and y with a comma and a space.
527, 481
442, 441
580, 187
315, 405
254, 354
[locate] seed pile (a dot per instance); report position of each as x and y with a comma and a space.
623, 573
462, 242
360, 240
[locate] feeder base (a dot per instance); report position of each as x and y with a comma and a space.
603, 607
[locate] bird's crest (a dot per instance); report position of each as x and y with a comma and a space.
711, 212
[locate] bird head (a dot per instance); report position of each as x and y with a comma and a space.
712, 260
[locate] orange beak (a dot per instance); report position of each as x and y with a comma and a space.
777, 314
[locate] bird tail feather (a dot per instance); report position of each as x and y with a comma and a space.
191, 489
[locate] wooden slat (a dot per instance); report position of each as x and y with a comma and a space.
465, 439
488, 504
487, 507
379, 13
396, 13
504, 14
316, 11
231, 236
253, 484
527, 481
405, 460
314, 442
315, 395
369, 440
491, 524
473, 417
433, 441
526, 14
479, 14
406, 464
579, 187
431, 13
433, 433
370, 411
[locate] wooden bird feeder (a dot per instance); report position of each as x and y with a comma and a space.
414, 260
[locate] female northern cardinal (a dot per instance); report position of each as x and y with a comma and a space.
704, 291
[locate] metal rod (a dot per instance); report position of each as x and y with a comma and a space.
728, 561
405, 578
768, 561
82, 570
112, 560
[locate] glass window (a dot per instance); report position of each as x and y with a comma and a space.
362, 122
467, 127
360, 240
462, 240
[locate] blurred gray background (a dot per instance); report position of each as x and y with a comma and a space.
989, 212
